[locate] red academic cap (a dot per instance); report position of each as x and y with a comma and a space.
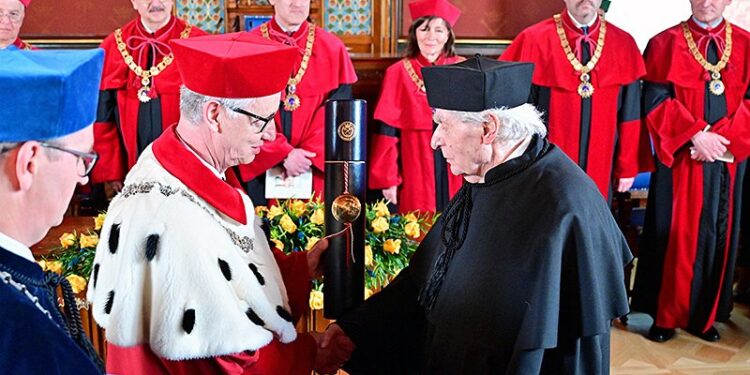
440, 8
25, 2
235, 65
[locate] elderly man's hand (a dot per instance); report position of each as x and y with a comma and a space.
314, 265
391, 194
624, 184
708, 146
298, 162
334, 349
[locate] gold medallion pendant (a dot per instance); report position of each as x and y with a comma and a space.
291, 102
144, 93
585, 89
716, 86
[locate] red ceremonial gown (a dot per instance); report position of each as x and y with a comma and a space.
685, 271
294, 358
122, 119
20, 44
602, 134
329, 75
400, 151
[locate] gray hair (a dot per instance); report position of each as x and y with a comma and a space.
7, 146
191, 103
516, 123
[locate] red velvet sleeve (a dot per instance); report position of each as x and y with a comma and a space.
383, 165
296, 279
737, 130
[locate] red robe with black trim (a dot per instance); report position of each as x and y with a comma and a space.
684, 276
618, 145
330, 67
175, 160
407, 160
116, 129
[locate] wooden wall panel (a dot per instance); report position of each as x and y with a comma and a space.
75, 19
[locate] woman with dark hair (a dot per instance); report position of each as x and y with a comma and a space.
402, 163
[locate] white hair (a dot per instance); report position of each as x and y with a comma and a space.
516, 123
191, 104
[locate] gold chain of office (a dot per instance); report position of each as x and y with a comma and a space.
292, 101
414, 77
716, 86
146, 74
585, 89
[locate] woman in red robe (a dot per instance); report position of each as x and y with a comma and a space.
402, 163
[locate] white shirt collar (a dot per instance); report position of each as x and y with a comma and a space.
294, 30
148, 28
520, 149
16, 247
580, 25
220, 175
706, 25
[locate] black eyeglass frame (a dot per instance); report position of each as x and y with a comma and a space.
89, 158
265, 120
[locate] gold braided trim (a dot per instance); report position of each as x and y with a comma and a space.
693, 47
154, 70
292, 101
413, 75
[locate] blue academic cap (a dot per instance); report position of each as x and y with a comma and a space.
48, 94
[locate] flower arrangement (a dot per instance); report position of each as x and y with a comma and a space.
75, 255
390, 239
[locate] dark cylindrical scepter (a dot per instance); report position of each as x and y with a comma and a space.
345, 187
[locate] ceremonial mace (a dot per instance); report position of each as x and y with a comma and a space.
345, 188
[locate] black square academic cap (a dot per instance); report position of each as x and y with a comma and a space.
477, 84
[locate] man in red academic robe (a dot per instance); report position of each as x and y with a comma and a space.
697, 106
140, 88
183, 280
402, 163
12, 13
327, 73
586, 81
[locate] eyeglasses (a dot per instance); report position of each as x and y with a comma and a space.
13, 15
256, 118
88, 159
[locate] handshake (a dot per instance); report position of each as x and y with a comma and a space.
334, 349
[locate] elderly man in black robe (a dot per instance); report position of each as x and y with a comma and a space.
522, 274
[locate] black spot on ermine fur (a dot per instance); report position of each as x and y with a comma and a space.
96, 273
110, 301
188, 320
114, 238
254, 317
152, 245
225, 270
284, 314
257, 274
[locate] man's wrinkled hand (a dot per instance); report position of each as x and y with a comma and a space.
624, 184
334, 349
391, 194
298, 162
708, 146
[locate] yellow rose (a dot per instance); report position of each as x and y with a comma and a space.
89, 241
67, 240
381, 210
380, 225
411, 218
368, 255
298, 208
275, 211
316, 300
311, 242
259, 210
368, 293
42, 263
412, 229
78, 283
288, 224
55, 266
392, 246
318, 217
279, 244
99, 221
